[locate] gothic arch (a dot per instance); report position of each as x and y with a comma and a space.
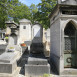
69, 21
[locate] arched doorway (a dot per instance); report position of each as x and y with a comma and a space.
70, 52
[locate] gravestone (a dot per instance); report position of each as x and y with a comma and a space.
63, 32
37, 38
13, 39
37, 63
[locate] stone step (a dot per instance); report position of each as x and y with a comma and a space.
69, 71
37, 61
36, 70
14, 74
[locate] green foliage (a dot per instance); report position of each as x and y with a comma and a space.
15, 10
33, 10
46, 75
3, 14
19, 11
44, 9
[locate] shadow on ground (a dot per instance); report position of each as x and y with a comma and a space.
22, 61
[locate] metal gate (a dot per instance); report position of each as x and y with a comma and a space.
70, 46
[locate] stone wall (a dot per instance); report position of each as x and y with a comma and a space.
55, 42
25, 34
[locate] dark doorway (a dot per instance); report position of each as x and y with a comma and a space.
70, 46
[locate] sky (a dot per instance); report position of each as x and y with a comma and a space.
29, 2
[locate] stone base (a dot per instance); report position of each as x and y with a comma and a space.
36, 70
8, 67
8, 62
69, 71
37, 61
14, 74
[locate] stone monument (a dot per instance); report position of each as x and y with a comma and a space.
25, 31
8, 60
37, 38
63, 32
37, 63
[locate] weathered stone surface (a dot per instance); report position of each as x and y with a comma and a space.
37, 65
58, 23
36, 70
2, 48
8, 62
37, 48
8, 67
8, 57
37, 61
25, 30
37, 33
14, 74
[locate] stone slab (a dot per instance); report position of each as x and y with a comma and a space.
8, 62
8, 67
16, 47
14, 74
69, 71
36, 70
37, 61
7, 57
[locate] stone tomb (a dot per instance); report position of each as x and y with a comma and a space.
63, 31
37, 66
24, 30
37, 63
37, 38
8, 62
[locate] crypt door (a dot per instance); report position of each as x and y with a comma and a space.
70, 52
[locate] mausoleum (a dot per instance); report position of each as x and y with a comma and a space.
24, 30
63, 36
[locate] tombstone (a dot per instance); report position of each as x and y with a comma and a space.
25, 30
63, 32
37, 63
37, 38
37, 33
12, 31
13, 39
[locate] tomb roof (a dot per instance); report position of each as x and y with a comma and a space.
11, 22
36, 22
65, 4
25, 20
